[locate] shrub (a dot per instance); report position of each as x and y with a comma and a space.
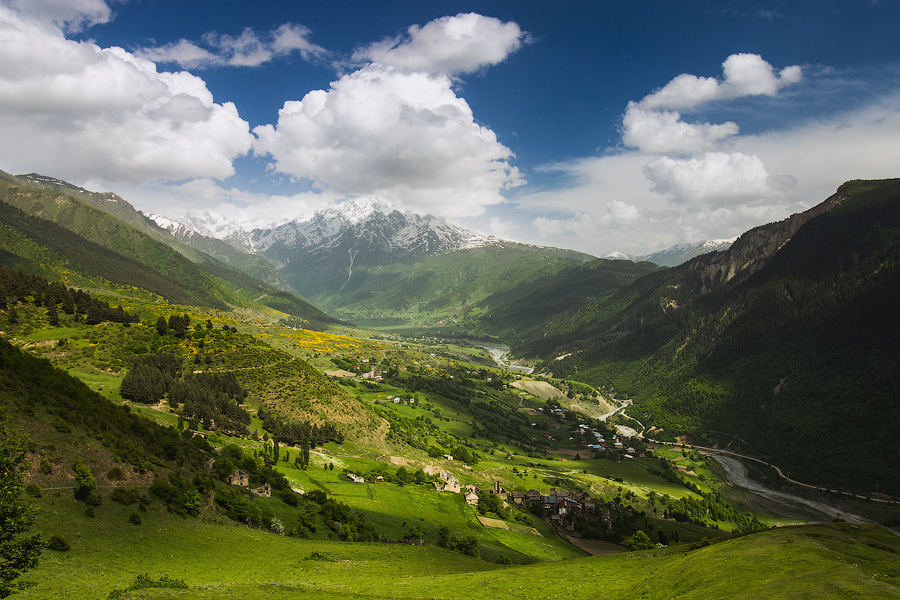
135, 518
33, 490
93, 499
45, 468
639, 541
276, 527
85, 483
124, 496
115, 474
58, 543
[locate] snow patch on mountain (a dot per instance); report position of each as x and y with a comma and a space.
677, 254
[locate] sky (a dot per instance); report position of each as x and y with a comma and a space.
599, 126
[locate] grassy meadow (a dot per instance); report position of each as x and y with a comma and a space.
220, 559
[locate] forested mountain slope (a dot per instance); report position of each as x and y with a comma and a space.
201, 250
98, 244
785, 345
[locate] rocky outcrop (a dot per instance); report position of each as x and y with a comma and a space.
751, 251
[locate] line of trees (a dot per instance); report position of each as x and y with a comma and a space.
297, 433
21, 287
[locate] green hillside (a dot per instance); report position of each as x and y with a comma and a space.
202, 250
445, 285
64, 233
44, 247
552, 304
793, 362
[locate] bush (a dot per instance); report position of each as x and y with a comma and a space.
33, 490
124, 496
639, 541
115, 474
93, 499
45, 468
135, 518
58, 543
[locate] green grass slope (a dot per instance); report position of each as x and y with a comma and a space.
546, 305
75, 230
44, 247
218, 561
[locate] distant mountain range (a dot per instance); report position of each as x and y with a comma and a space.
365, 256
677, 254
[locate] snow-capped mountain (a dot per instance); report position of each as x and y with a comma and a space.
677, 254
319, 252
361, 223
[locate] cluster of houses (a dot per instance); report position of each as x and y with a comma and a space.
560, 507
399, 400
600, 444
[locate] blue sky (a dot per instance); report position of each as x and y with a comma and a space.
598, 126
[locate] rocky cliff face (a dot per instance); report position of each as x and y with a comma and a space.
753, 249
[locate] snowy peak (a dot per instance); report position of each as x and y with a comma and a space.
677, 254
366, 222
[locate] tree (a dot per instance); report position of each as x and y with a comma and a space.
161, 326
639, 541
18, 550
84, 481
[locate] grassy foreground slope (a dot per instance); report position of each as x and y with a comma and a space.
229, 561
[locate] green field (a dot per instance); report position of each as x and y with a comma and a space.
224, 560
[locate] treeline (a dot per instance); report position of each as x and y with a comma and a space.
21, 287
213, 399
298, 434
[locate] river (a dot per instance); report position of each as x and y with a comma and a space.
736, 474
500, 354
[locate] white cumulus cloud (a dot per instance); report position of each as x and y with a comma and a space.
394, 133
79, 111
464, 43
745, 75
664, 131
715, 178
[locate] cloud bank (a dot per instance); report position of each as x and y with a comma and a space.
109, 114
249, 49
679, 180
